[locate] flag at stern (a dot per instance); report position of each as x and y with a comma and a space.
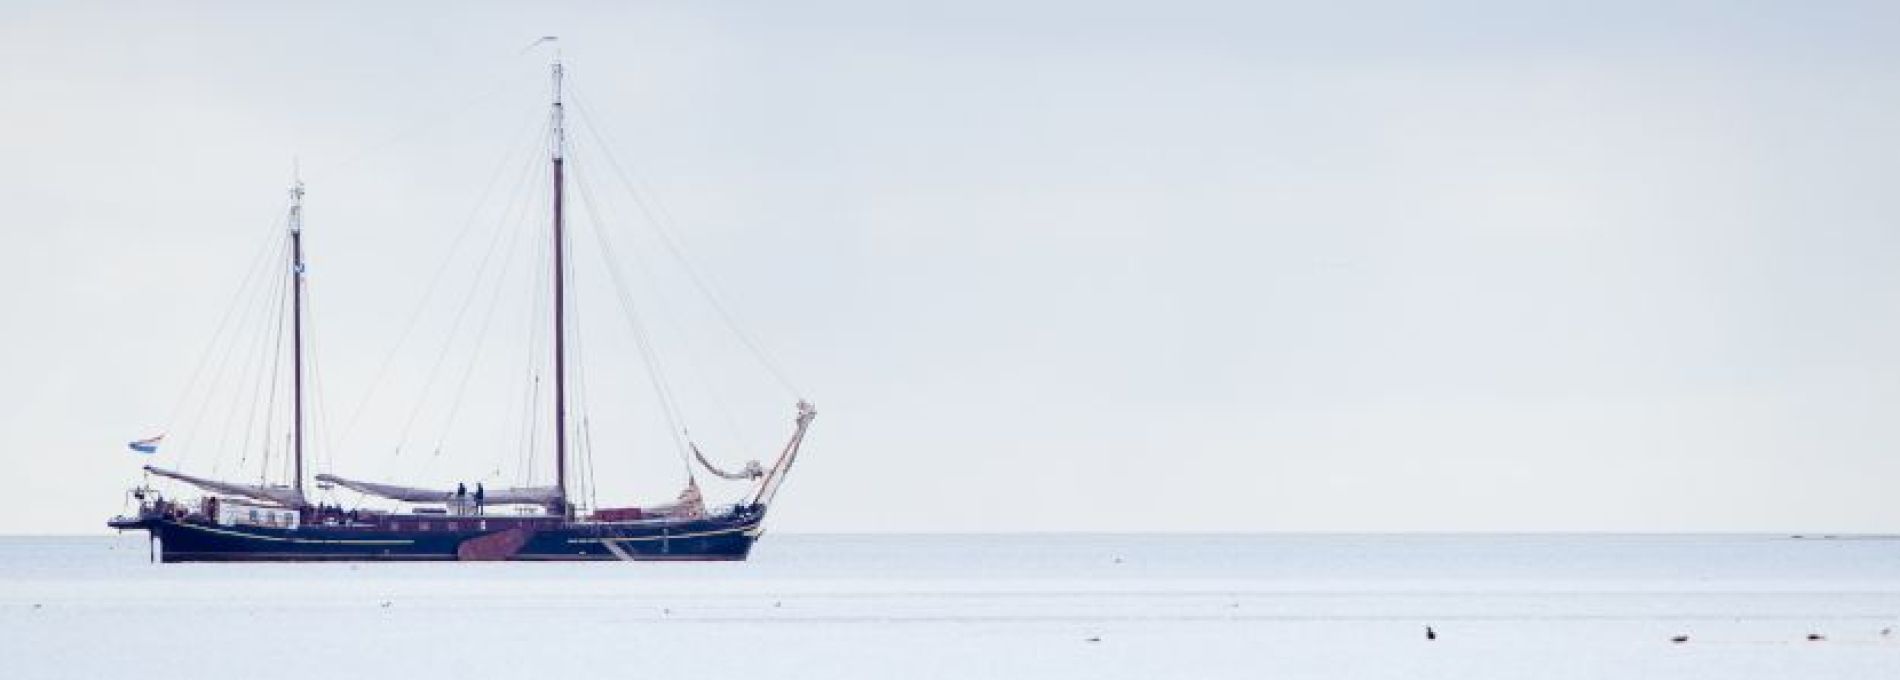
148, 445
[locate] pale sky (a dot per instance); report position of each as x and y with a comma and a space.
1043, 266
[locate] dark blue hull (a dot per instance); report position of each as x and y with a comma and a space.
193, 540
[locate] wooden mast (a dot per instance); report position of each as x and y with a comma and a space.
296, 333
560, 304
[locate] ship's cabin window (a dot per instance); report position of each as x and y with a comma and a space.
253, 515
481, 525
453, 526
395, 526
422, 526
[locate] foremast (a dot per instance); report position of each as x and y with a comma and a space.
294, 496
296, 335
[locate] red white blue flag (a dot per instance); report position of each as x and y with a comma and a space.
146, 445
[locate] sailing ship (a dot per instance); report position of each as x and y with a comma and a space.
242, 522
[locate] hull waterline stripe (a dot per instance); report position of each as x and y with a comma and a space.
617, 539
281, 539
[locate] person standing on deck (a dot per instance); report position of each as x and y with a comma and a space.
478, 498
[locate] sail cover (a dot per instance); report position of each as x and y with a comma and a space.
533, 495
283, 496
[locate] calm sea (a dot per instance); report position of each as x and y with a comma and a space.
1057, 606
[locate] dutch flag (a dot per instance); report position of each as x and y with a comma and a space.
146, 445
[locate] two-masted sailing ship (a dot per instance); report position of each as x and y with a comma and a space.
235, 521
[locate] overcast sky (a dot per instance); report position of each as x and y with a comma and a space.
1043, 266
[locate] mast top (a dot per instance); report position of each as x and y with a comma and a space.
559, 117
296, 202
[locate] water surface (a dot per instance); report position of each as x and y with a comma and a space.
1083, 606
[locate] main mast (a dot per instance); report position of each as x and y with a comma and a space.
560, 303
296, 333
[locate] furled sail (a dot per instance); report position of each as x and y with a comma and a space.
533, 495
279, 495
751, 471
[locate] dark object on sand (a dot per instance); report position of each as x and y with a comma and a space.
1430, 634
1816, 637
1679, 639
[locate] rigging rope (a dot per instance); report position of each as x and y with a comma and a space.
582, 405
237, 342
658, 309
322, 456
537, 341
481, 339
659, 218
449, 339
276, 365
271, 305
587, 438
643, 342
428, 292
204, 355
